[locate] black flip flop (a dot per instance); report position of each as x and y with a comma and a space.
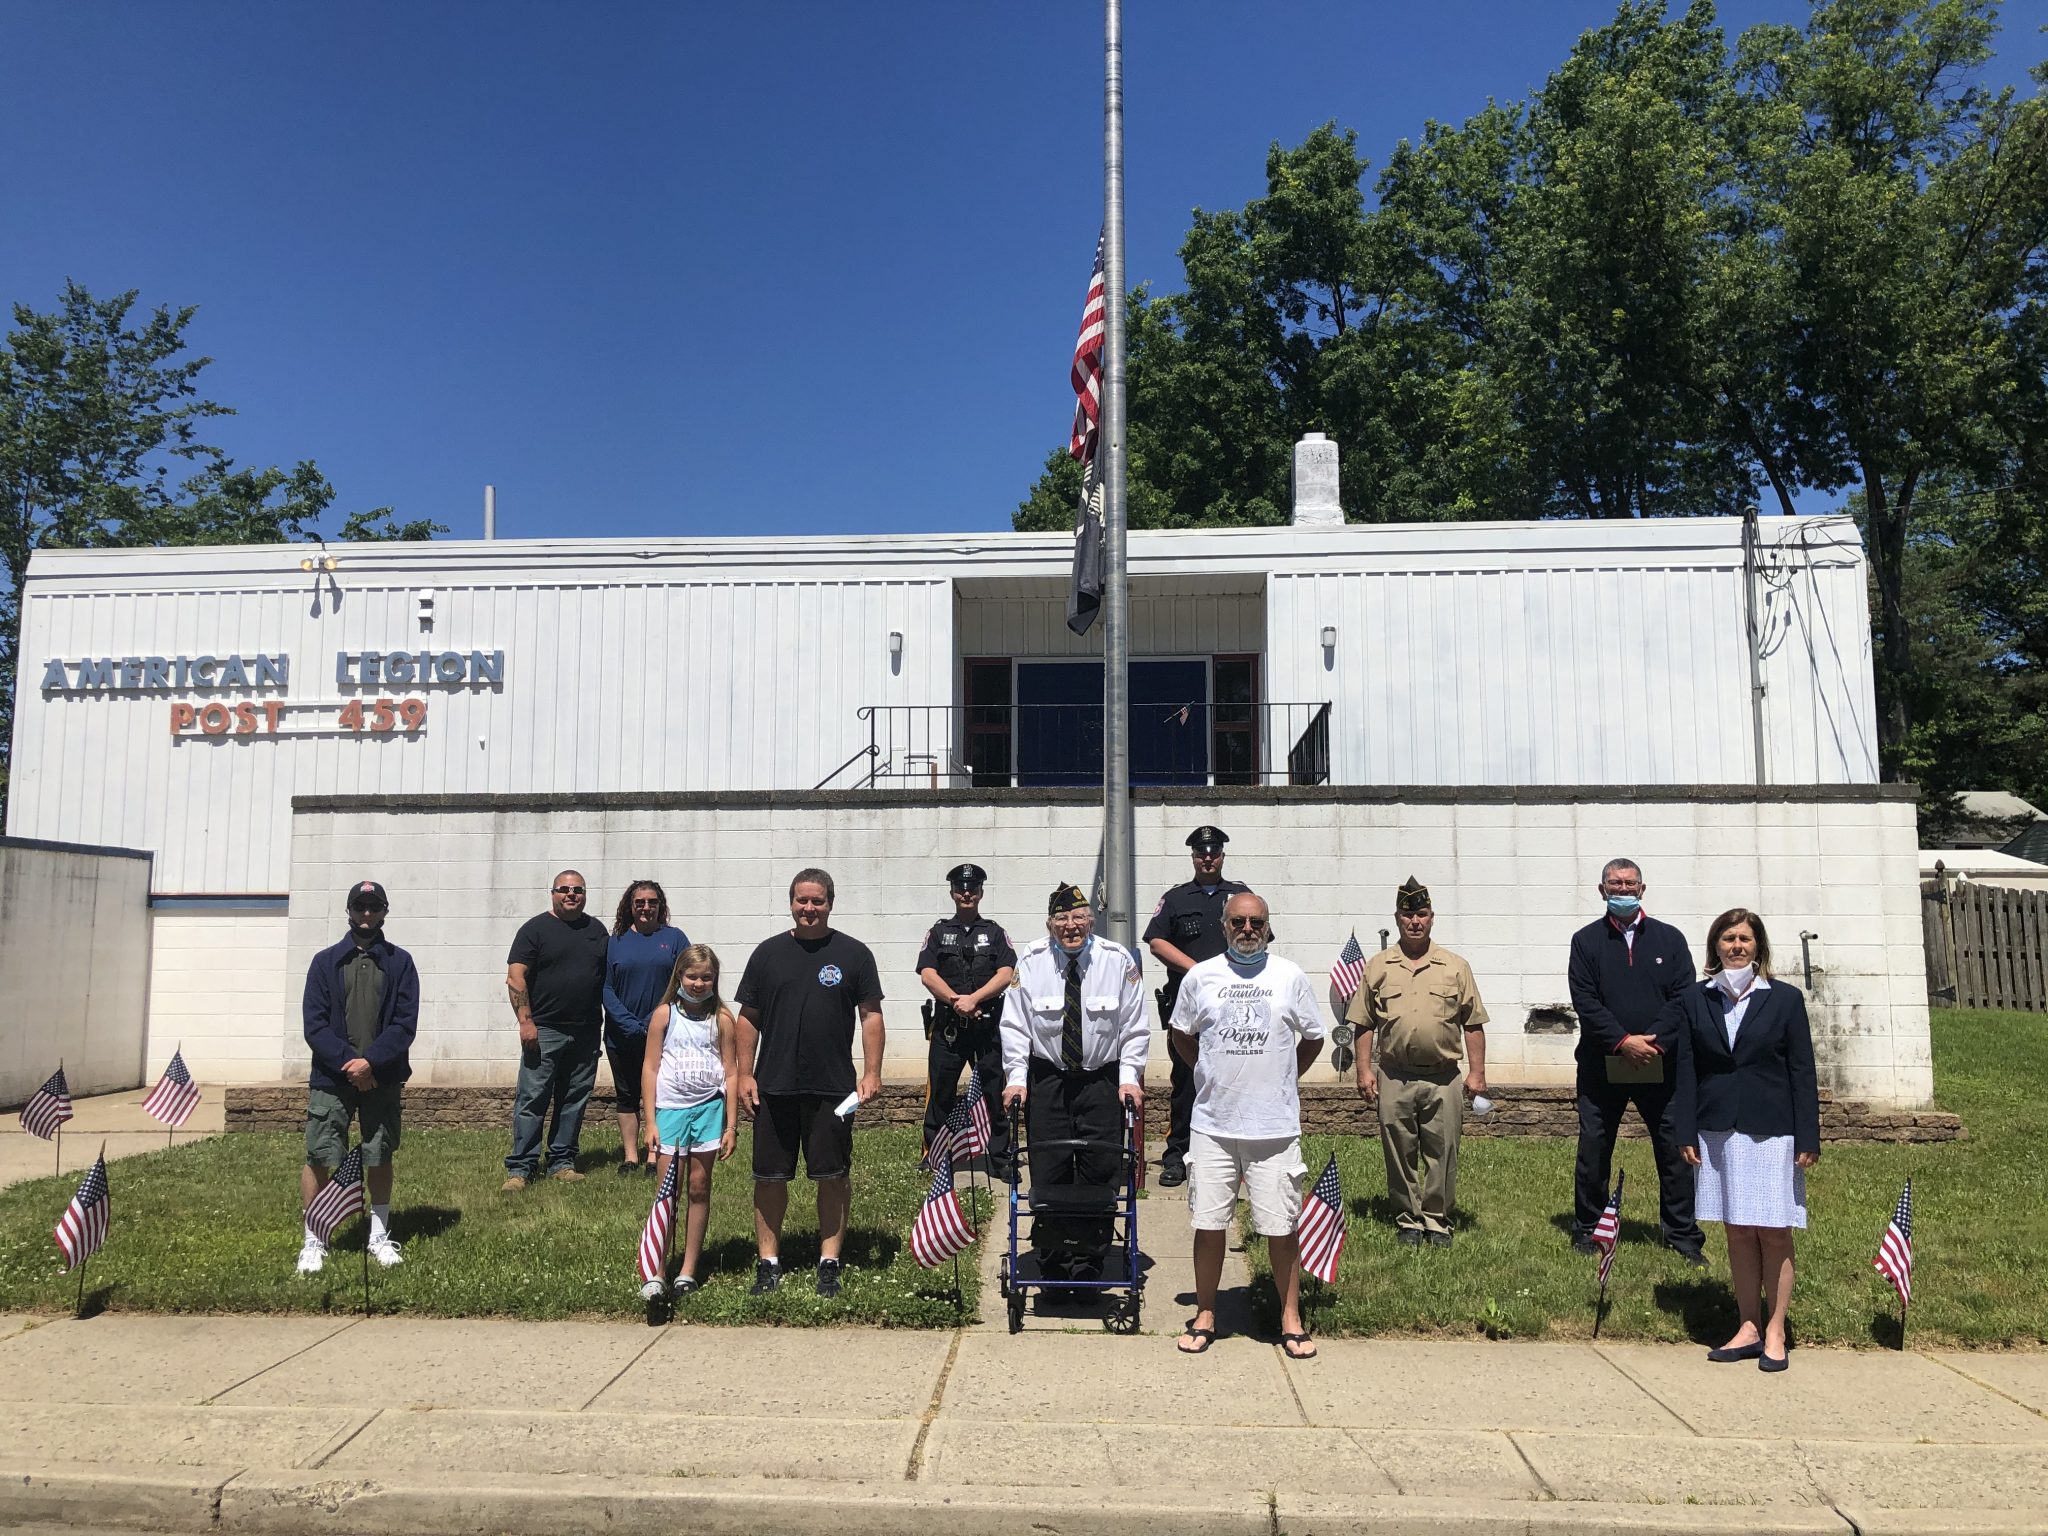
1203, 1338
1287, 1339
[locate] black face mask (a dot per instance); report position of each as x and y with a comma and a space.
366, 935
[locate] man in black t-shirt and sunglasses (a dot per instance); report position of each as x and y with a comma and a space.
799, 998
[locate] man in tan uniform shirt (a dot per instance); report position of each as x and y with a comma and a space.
1421, 1007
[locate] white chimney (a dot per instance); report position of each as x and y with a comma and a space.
1315, 483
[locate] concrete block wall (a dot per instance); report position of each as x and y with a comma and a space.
74, 964
1512, 872
217, 991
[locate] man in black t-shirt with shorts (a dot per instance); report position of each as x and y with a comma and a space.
799, 997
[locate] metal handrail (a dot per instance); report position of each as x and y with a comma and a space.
870, 750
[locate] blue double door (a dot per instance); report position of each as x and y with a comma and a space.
1059, 722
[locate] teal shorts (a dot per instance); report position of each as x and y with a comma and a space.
697, 1129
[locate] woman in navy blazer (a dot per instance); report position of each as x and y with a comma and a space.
1747, 1106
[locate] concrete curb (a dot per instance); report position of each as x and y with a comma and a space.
93, 1495
268, 1502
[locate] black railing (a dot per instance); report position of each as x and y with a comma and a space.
1025, 745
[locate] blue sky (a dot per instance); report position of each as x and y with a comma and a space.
667, 269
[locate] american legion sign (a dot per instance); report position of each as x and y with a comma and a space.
1495, 708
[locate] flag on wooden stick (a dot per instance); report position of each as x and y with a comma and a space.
175, 1096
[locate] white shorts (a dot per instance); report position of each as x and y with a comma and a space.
1270, 1169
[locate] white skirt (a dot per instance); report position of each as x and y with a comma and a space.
1749, 1183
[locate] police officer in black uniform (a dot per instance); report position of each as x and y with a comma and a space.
966, 964
1187, 929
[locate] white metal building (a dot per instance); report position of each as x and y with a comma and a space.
177, 700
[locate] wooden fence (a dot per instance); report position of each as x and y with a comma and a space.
1987, 945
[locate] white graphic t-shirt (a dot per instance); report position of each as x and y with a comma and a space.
1248, 1023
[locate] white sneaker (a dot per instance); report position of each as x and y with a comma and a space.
312, 1257
385, 1251
653, 1290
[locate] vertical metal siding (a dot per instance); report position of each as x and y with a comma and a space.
1160, 626
653, 686
1594, 675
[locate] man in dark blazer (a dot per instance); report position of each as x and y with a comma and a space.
1624, 968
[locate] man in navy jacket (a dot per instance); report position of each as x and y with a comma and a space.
1624, 968
362, 1008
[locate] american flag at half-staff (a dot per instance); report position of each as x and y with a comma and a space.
1607, 1230
661, 1224
941, 1229
1349, 970
340, 1198
1321, 1230
83, 1227
48, 1108
968, 1123
174, 1097
1087, 369
1895, 1253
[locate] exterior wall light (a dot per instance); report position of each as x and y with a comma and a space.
1329, 637
895, 645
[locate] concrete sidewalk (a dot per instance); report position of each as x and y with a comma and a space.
113, 1118
287, 1425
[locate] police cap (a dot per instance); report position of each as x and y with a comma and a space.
1207, 839
967, 877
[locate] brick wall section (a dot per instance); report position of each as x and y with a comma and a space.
1326, 1109
1512, 871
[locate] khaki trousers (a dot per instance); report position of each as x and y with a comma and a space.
1421, 1116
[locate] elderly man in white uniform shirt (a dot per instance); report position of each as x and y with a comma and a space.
1074, 1047
1249, 1023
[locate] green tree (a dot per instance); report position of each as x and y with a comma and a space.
1905, 211
100, 411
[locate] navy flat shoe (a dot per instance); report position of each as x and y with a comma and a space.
1766, 1363
1739, 1352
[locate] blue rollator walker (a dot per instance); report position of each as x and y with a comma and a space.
1121, 1285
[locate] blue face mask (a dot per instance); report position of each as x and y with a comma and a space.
1624, 908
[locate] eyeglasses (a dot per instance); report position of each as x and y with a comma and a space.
570, 890
646, 901
1245, 922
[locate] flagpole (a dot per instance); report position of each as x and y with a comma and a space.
1119, 868
60, 1124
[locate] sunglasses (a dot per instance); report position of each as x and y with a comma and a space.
646, 901
569, 890
1245, 922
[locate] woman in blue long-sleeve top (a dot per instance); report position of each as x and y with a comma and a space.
642, 954
1748, 1111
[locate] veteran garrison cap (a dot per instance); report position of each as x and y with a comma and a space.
1065, 898
1207, 839
966, 877
1413, 896
367, 894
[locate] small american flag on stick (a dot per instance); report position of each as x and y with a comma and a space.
340, 1198
941, 1229
174, 1097
1607, 1231
1321, 1231
661, 1224
1895, 1253
1349, 970
83, 1227
49, 1108
969, 1121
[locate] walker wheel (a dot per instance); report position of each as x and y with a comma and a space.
1121, 1314
1016, 1311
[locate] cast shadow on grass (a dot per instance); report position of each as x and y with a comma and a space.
1885, 1329
1704, 1308
865, 1248
1631, 1231
98, 1299
422, 1221
1382, 1211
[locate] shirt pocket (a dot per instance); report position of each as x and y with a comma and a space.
1100, 1005
1049, 1005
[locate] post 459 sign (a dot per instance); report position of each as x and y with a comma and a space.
279, 717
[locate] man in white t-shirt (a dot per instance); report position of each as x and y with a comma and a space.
1249, 1024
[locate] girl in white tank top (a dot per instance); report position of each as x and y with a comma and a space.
690, 1081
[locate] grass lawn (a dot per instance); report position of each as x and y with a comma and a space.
214, 1227
1980, 1234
